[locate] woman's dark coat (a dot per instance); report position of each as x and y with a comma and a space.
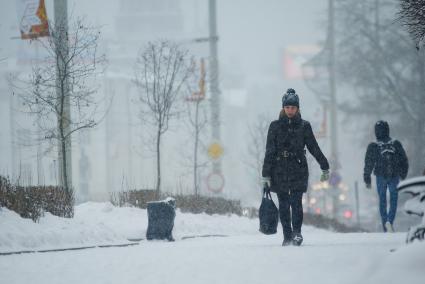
285, 161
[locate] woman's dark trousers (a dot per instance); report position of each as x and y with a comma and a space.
290, 212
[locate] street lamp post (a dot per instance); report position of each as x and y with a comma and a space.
213, 76
333, 104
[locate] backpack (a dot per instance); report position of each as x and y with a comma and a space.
387, 152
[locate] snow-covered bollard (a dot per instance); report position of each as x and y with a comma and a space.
415, 187
161, 216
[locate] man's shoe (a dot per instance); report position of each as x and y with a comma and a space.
389, 227
297, 240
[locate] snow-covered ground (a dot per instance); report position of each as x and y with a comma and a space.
102, 223
245, 256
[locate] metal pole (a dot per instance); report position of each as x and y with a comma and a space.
110, 186
13, 152
356, 196
61, 29
378, 41
213, 76
377, 22
333, 103
130, 177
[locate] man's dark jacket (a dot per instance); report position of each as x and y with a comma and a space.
285, 160
374, 161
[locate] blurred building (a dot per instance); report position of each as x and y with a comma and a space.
148, 19
126, 164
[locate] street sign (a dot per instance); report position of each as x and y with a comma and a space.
215, 182
294, 58
33, 22
215, 151
199, 95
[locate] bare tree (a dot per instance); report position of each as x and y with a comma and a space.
64, 83
376, 59
257, 145
161, 70
197, 120
412, 15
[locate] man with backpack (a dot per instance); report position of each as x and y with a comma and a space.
387, 158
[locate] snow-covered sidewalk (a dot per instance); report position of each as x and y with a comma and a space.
325, 258
245, 256
102, 223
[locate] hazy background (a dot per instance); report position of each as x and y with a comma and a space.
253, 38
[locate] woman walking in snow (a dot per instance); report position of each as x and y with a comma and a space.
285, 168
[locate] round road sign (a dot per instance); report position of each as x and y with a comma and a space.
215, 182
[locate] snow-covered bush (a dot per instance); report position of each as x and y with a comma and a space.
415, 187
31, 202
186, 203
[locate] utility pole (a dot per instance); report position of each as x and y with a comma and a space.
61, 29
333, 104
378, 44
213, 77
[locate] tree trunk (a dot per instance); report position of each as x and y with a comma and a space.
158, 162
418, 164
419, 154
64, 174
195, 162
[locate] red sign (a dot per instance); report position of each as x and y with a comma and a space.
294, 58
33, 22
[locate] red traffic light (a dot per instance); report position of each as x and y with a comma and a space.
348, 214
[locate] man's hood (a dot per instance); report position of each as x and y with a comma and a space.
382, 131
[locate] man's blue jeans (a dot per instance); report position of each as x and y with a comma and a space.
384, 184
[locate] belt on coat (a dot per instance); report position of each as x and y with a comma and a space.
287, 154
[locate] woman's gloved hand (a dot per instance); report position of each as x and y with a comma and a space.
324, 176
266, 181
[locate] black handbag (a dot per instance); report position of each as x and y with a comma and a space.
268, 213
